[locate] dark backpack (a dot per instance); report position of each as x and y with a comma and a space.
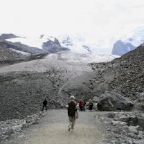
71, 108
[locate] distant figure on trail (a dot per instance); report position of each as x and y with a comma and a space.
81, 105
44, 104
72, 111
90, 104
84, 105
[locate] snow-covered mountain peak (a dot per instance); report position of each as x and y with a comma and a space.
72, 37
80, 44
74, 42
34, 41
136, 38
47, 38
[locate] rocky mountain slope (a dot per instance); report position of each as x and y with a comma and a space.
124, 75
18, 47
11, 53
7, 54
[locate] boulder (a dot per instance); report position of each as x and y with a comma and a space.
111, 101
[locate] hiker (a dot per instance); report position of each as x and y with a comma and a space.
72, 110
81, 105
90, 104
84, 105
44, 104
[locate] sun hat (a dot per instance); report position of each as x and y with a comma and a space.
72, 97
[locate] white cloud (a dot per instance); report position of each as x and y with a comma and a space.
102, 19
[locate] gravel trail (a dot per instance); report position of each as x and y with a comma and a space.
53, 129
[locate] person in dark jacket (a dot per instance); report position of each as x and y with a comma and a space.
84, 105
90, 104
72, 108
44, 104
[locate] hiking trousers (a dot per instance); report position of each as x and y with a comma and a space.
72, 122
44, 107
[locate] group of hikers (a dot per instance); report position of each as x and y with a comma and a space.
73, 108
83, 105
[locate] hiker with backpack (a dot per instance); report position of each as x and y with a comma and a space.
72, 112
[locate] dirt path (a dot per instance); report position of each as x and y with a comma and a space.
53, 129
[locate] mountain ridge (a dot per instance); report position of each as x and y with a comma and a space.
128, 43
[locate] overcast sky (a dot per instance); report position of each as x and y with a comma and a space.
100, 19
